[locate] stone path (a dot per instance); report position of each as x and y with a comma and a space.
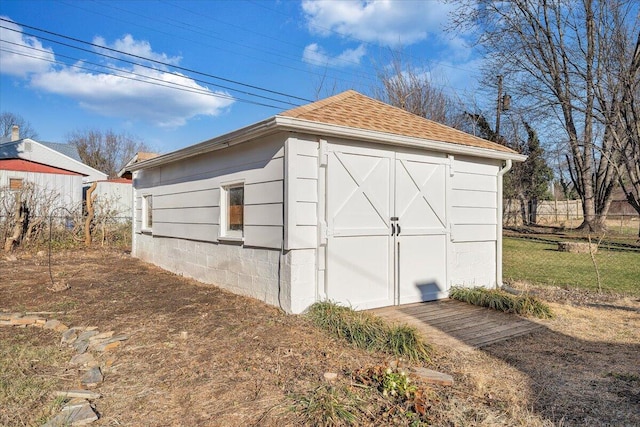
90, 345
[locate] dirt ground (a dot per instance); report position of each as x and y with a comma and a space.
200, 356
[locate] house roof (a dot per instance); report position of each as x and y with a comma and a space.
352, 109
66, 149
350, 115
60, 156
20, 165
140, 156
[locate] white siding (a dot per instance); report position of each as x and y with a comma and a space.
474, 227
117, 197
62, 190
474, 192
301, 231
186, 194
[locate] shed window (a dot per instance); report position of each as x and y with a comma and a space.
147, 212
232, 224
15, 183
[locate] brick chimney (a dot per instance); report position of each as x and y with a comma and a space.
15, 133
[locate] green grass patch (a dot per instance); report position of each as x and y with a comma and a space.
524, 305
29, 372
542, 264
364, 330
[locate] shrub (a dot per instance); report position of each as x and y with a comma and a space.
364, 330
525, 305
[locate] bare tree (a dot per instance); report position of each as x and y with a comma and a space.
8, 120
624, 115
404, 86
555, 53
105, 151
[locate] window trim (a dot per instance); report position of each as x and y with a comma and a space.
224, 233
16, 179
146, 214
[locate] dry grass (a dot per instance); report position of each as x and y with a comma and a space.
199, 356
31, 367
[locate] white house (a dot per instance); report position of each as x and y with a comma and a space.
347, 199
55, 169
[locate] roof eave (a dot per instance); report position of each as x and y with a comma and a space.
308, 126
283, 123
223, 141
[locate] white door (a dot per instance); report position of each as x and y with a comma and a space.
386, 224
420, 229
359, 246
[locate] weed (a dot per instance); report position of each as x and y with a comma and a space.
405, 399
327, 406
525, 305
364, 330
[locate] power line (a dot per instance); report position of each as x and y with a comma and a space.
126, 75
155, 61
143, 65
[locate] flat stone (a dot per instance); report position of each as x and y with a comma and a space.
52, 324
69, 336
330, 376
83, 360
8, 316
107, 346
433, 377
82, 394
81, 345
92, 378
101, 336
5, 323
84, 336
74, 415
24, 320
41, 321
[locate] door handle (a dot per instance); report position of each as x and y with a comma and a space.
393, 230
398, 230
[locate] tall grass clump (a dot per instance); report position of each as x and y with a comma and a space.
524, 305
367, 331
327, 406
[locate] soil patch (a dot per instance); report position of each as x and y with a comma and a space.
200, 356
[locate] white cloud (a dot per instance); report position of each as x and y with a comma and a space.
139, 48
142, 96
137, 97
387, 22
316, 55
22, 55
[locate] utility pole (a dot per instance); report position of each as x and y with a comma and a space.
498, 109
502, 104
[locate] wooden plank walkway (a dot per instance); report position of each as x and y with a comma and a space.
459, 325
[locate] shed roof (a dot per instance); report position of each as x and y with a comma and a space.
20, 165
355, 110
349, 115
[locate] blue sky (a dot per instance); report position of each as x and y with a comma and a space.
64, 64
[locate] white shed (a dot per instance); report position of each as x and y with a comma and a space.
347, 199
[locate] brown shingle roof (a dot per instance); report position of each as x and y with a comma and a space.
355, 110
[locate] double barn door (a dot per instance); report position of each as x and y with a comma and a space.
386, 223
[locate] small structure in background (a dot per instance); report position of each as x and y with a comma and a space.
36, 179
